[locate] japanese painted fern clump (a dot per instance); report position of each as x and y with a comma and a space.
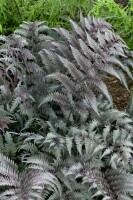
61, 138
82, 58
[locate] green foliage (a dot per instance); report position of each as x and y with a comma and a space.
11, 14
0, 28
120, 17
56, 13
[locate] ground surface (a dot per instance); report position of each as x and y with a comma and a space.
119, 93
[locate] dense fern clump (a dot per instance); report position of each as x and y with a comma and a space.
61, 138
91, 51
36, 35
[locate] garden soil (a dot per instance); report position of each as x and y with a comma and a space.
118, 91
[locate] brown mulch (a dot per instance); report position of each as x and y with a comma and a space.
117, 90
119, 93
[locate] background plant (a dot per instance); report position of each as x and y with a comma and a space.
120, 17
11, 14
56, 12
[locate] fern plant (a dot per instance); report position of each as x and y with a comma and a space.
81, 148
82, 58
25, 185
36, 35
20, 81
